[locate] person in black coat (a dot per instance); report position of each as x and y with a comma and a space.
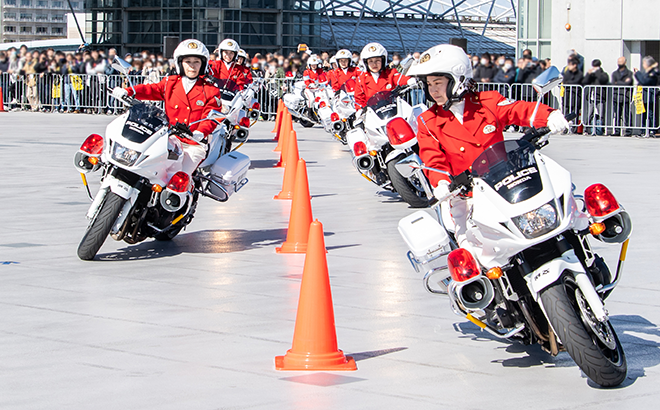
648, 77
506, 74
485, 71
596, 102
621, 97
572, 95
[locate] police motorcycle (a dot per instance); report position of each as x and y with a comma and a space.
240, 108
298, 105
387, 133
526, 272
143, 192
343, 107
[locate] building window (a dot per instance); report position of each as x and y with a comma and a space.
74, 4
26, 16
26, 3
10, 16
57, 4
42, 4
57, 30
42, 30
10, 29
42, 17
58, 17
26, 29
10, 3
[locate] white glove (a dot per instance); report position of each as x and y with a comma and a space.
119, 93
556, 122
197, 136
412, 82
442, 190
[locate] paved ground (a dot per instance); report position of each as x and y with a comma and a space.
196, 324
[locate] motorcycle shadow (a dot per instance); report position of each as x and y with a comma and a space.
640, 339
208, 241
389, 197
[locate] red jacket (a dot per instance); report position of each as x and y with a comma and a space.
338, 76
366, 86
446, 144
237, 73
182, 107
317, 75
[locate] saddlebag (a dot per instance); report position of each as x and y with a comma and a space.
228, 175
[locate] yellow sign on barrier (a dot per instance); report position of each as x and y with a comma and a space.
638, 99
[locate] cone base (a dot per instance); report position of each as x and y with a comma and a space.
292, 247
277, 149
284, 195
314, 362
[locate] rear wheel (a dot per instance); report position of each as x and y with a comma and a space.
593, 345
100, 227
410, 194
305, 123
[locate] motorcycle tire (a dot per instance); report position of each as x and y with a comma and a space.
404, 188
306, 124
100, 227
606, 367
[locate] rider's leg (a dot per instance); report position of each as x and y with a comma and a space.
193, 155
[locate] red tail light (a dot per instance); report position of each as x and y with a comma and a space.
334, 117
360, 148
599, 200
399, 131
256, 106
93, 145
322, 104
317, 99
244, 122
179, 182
462, 265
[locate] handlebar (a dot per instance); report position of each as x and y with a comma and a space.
534, 134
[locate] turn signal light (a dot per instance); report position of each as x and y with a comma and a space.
599, 200
597, 228
334, 117
462, 265
93, 160
93, 145
360, 148
256, 106
179, 182
322, 104
373, 153
399, 131
156, 188
494, 273
245, 122
237, 127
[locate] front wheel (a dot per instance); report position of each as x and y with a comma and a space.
305, 123
410, 194
100, 226
593, 345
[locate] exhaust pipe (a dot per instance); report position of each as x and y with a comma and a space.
254, 114
241, 134
338, 126
364, 163
475, 294
172, 201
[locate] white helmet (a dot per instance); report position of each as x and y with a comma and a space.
373, 50
313, 59
242, 53
193, 48
449, 61
343, 53
333, 60
229, 45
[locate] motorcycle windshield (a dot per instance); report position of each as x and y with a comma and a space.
510, 168
383, 104
228, 89
143, 121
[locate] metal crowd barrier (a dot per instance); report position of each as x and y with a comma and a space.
600, 109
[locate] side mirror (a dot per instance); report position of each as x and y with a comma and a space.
409, 165
121, 65
547, 80
406, 63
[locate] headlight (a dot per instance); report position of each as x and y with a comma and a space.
537, 222
124, 155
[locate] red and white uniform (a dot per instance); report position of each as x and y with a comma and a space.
446, 144
315, 76
369, 83
340, 76
233, 71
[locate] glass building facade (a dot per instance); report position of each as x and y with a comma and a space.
257, 25
535, 27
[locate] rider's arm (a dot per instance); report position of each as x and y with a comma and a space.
248, 77
432, 155
153, 92
512, 112
360, 94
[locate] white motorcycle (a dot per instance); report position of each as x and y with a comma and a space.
387, 135
240, 108
343, 106
143, 191
526, 271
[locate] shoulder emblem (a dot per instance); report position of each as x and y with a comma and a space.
200, 103
488, 129
503, 103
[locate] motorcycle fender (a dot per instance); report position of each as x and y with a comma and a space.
392, 155
548, 274
119, 187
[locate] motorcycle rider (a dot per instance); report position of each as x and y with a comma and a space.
314, 72
463, 123
344, 72
189, 96
227, 67
377, 76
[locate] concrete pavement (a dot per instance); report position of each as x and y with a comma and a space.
196, 323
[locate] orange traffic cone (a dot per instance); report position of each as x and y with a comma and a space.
314, 338
278, 126
285, 122
290, 168
278, 116
301, 214
2, 105
284, 140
